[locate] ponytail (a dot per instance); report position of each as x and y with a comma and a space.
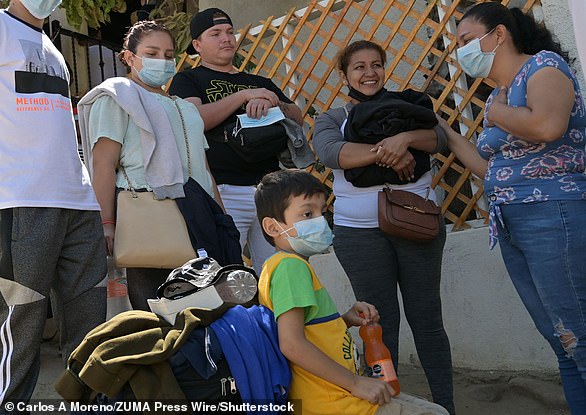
528, 36
534, 37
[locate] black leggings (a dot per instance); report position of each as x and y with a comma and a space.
376, 264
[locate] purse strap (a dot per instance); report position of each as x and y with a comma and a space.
387, 188
174, 99
187, 148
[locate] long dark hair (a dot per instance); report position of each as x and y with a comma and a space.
528, 36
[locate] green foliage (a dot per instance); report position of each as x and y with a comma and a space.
4, 4
239, 59
95, 12
169, 13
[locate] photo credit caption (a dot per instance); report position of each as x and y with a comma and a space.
141, 406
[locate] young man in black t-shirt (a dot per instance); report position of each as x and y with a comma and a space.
220, 92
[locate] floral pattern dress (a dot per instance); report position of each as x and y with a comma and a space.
523, 172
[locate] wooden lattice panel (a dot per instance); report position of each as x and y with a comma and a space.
297, 51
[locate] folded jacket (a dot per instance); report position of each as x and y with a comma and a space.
390, 114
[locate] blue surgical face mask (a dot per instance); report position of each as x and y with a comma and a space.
156, 72
41, 9
274, 114
473, 60
314, 236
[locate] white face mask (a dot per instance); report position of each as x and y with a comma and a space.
41, 9
274, 115
473, 60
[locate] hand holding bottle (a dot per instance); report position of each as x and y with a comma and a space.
361, 314
378, 356
373, 390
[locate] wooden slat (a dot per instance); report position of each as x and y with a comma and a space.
296, 52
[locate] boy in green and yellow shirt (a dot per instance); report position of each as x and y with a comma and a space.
312, 335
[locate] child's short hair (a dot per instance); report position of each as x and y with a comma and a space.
276, 189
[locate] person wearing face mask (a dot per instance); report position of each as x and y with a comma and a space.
377, 263
531, 156
51, 237
123, 120
312, 335
221, 93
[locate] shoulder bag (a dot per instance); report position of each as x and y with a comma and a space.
151, 233
408, 215
254, 144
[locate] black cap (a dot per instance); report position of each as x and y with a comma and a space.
195, 275
203, 20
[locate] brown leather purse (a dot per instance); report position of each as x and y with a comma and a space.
407, 215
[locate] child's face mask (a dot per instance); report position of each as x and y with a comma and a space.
314, 236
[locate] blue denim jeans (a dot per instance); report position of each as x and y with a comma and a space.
543, 245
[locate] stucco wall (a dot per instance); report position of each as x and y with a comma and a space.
558, 19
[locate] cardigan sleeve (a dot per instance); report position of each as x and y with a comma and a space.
327, 137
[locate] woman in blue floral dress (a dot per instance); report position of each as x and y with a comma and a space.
531, 155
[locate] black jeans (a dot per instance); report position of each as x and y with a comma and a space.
376, 263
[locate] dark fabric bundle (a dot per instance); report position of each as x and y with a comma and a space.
208, 226
388, 115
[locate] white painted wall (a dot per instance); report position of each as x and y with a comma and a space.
488, 326
558, 19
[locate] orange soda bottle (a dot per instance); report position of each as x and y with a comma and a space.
378, 356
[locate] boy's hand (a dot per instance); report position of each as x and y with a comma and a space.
375, 391
361, 314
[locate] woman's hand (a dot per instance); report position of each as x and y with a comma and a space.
444, 124
375, 391
361, 314
391, 149
109, 230
393, 152
499, 100
405, 167
546, 115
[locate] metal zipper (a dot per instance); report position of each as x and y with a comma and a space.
223, 381
232, 385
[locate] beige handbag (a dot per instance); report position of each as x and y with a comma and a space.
151, 233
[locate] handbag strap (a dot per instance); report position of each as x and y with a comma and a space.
388, 188
174, 99
187, 148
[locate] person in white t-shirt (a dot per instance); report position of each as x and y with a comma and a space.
51, 236
378, 263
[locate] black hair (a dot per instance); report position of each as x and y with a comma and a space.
344, 55
274, 192
138, 31
528, 36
